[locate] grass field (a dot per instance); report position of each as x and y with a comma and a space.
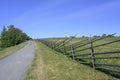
51, 65
7, 51
106, 48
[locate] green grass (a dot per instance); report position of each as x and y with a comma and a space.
110, 47
0, 45
7, 51
106, 48
51, 65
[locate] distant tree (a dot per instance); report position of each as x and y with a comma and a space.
83, 36
95, 36
72, 36
109, 35
12, 36
104, 35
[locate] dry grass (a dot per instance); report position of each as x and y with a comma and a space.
7, 51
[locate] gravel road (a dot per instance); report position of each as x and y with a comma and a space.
14, 66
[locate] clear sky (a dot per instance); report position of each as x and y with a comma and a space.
60, 18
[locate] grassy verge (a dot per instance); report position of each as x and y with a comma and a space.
7, 51
51, 65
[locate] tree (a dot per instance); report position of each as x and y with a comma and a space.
24, 36
104, 35
72, 36
4, 37
109, 35
12, 36
95, 36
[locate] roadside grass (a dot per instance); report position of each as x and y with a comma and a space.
106, 48
7, 51
51, 65
0, 45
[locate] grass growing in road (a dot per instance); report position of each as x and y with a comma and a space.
7, 51
51, 65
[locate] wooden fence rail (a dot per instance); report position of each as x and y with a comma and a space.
103, 61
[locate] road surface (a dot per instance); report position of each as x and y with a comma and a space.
14, 66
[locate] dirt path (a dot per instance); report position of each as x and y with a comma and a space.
14, 66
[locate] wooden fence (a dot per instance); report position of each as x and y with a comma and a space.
85, 52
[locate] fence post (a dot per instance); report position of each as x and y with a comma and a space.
72, 50
50, 44
92, 53
64, 49
53, 45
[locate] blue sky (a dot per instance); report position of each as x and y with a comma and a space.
59, 18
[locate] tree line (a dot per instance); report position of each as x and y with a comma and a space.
11, 36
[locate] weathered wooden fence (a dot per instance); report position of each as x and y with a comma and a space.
85, 52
